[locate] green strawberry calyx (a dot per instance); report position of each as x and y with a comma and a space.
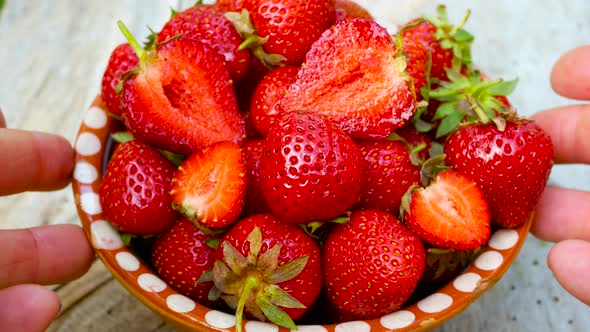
251, 282
469, 98
453, 37
247, 30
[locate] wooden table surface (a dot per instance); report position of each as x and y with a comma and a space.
52, 54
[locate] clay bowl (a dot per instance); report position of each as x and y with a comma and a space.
92, 147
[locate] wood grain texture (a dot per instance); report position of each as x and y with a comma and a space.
52, 55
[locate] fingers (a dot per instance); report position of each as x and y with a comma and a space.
562, 214
43, 255
27, 308
570, 263
569, 129
32, 161
571, 74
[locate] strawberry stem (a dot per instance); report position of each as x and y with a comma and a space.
249, 283
137, 48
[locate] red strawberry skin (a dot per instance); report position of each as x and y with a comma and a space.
206, 24
121, 61
451, 213
210, 186
310, 170
291, 26
372, 264
183, 100
270, 90
134, 190
350, 9
180, 256
254, 202
294, 242
388, 173
230, 5
417, 61
425, 34
511, 167
351, 77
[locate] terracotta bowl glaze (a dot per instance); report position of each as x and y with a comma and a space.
184, 314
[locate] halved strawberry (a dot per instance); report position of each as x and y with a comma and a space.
181, 98
209, 186
353, 78
206, 23
451, 213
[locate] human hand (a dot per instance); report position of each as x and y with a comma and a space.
43, 255
562, 214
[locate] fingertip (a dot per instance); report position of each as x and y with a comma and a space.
27, 308
570, 263
55, 172
570, 76
72, 253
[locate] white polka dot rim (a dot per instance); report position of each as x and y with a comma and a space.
467, 282
95, 118
504, 239
127, 261
256, 326
88, 144
220, 320
180, 303
310, 328
85, 173
489, 260
434, 303
357, 326
398, 319
104, 236
151, 283
90, 203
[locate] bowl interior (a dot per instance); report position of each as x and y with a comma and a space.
93, 144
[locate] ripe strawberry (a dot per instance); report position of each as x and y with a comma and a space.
269, 268
450, 213
181, 98
350, 9
251, 154
181, 256
511, 166
272, 88
121, 61
388, 173
310, 169
372, 264
353, 79
283, 31
208, 25
134, 190
230, 5
209, 186
450, 46
417, 58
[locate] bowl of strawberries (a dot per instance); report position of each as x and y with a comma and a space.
265, 166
